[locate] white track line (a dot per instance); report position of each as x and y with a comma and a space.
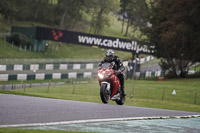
95, 120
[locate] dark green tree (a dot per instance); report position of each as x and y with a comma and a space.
29, 10
123, 12
175, 33
71, 12
136, 13
9, 9
100, 16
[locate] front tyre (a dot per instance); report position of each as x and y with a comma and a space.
104, 93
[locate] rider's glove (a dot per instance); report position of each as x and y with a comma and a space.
117, 72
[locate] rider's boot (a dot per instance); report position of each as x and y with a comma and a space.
121, 78
123, 91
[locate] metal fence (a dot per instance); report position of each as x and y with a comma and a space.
45, 61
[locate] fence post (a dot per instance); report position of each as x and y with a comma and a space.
22, 83
48, 86
24, 87
30, 85
74, 82
12, 87
163, 95
132, 93
3, 87
195, 99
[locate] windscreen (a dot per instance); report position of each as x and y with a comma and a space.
105, 65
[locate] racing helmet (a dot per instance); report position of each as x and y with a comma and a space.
110, 54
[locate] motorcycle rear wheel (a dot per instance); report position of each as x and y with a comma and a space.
104, 93
121, 101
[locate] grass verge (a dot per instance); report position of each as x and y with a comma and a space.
55, 50
141, 93
10, 82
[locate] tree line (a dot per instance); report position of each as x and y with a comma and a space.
175, 33
170, 26
64, 14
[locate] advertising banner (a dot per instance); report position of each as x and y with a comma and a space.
43, 33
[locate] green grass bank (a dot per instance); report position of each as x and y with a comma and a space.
60, 50
154, 94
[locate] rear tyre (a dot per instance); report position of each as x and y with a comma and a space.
122, 100
104, 93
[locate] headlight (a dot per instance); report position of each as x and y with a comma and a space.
100, 75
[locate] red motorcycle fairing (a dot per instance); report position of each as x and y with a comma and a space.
110, 77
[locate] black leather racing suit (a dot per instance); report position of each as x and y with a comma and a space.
119, 67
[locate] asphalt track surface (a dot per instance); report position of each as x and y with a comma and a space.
15, 110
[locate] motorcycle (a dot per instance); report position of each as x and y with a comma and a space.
110, 88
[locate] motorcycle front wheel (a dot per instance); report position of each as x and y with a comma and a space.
104, 93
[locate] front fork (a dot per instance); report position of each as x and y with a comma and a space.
107, 85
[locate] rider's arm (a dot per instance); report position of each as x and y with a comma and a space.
100, 63
120, 65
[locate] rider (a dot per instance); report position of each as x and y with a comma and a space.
119, 67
